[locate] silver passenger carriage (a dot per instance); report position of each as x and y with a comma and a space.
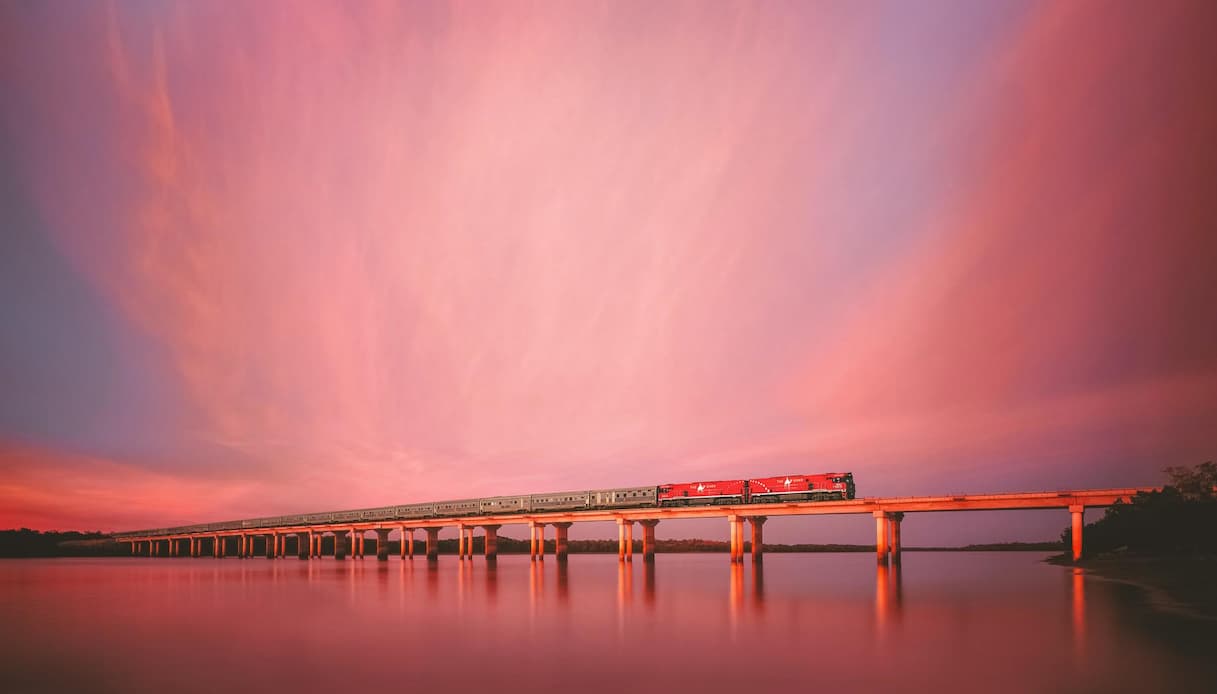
561, 501
625, 497
502, 505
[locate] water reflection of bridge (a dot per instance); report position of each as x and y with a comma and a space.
309, 540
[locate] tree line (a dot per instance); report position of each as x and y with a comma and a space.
1179, 520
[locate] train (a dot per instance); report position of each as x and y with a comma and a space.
826, 486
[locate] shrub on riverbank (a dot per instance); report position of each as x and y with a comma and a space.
1177, 521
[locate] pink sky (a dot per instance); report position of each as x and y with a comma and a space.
277, 257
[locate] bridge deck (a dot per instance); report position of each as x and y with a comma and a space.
965, 502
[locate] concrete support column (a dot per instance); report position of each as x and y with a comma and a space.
460, 543
736, 525
1076, 516
469, 543
281, 546
532, 542
881, 535
382, 544
432, 544
223, 548
340, 544
410, 550
758, 538
629, 540
540, 541
402, 529
492, 542
621, 539
893, 524
561, 543
648, 540
215, 546
357, 551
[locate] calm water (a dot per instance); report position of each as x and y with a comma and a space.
979, 621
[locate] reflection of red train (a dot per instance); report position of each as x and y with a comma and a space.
762, 490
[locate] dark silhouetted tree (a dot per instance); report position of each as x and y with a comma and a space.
1178, 520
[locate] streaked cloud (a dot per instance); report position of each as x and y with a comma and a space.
385, 252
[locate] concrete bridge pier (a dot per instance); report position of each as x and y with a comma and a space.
340, 544
736, 526
648, 540
460, 543
410, 547
539, 541
382, 544
881, 536
629, 541
758, 538
491, 548
401, 529
561, 544
893, 526
432, 544
1076, 517
469, 543
359, 542
625, 540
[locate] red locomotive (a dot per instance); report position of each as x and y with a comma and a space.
704, 493
762, 490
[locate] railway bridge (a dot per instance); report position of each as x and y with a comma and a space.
349, 537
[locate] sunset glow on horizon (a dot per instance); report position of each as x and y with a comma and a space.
268, 258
